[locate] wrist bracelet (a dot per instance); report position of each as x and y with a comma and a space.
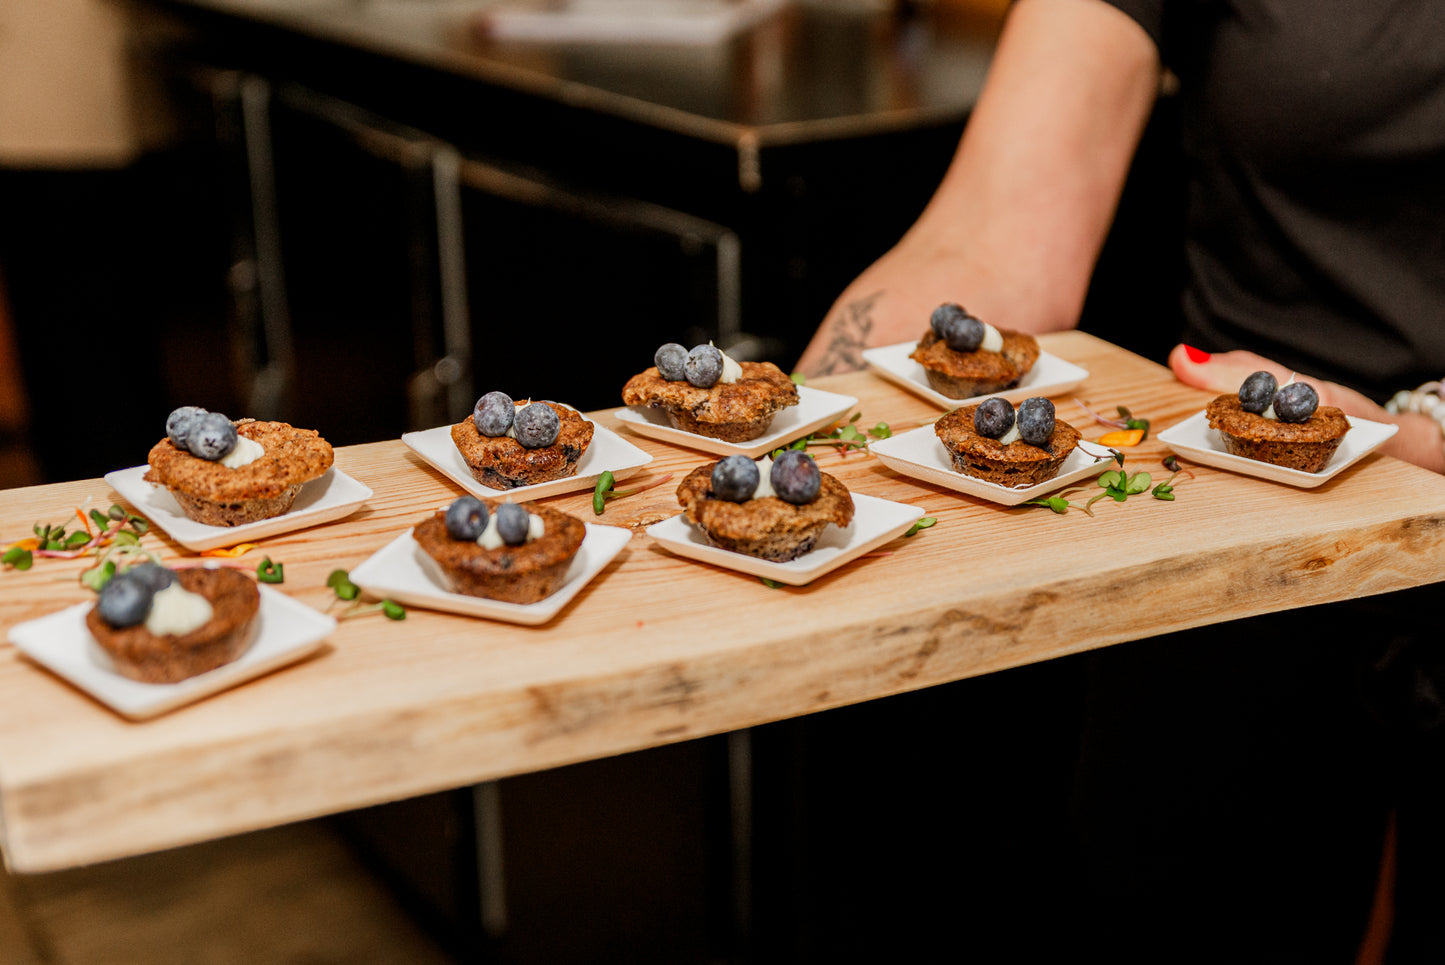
1425, 400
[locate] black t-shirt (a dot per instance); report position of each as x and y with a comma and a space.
1314, 134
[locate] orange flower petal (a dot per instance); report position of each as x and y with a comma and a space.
230, 552
1124, 437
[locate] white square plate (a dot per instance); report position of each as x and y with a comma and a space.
918, 453
608, 452
1193, 439
403, 572
332, 496
875, 522
286, 631
815, 409
1050, 375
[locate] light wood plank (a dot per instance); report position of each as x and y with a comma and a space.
660, 649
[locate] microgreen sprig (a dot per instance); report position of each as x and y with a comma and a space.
845, 438
1118, 485
603, 491
341, 585
922, 524
114, 528
1126, 419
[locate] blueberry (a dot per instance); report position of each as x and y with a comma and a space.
1036, 421
179, 423
735, 479
671, 362
1296, 402
993, 418
1256, 392
125, 600
513, 521
948, 311
704, 366
212, 436
493, 414
152, 575
537, 426
962, 334
795, 477
466, 517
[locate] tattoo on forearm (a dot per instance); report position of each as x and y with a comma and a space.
848, 336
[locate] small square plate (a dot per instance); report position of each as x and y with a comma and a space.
918, 453
815, 409
286, 631
1050, 375
875, 522
332, 496
1193, 439
403, 572
608, 452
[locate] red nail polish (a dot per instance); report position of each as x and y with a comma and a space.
1196, 355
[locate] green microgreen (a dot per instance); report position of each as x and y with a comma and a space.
922, 524
771, 583
98, 576
98, 534
269, 572
1125, 420
798, 378
845, 438
18, 557
1117, 485
603, 491
340, 582
341, 585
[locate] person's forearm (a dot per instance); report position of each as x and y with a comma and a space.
1015, 227
1029, 198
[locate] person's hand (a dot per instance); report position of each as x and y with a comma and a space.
1418, 440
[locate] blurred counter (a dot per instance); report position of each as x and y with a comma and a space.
445, 195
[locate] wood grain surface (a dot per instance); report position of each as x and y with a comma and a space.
660, 649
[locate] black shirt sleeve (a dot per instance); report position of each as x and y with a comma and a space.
1149, 14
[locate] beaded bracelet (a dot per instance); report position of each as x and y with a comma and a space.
1425, 400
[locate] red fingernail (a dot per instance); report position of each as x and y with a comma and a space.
1196, 355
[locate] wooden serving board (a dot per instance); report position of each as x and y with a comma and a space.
660, 649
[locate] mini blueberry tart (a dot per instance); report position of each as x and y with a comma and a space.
771, 509
507, 444
513, 552
963, 357
225, 473
705, 392
163, 626
1281, 425
992, 442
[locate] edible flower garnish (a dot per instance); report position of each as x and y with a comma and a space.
229, 552
1125, 422
99, 534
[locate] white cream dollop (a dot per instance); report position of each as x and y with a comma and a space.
992, 340
1268, 412
731, 370
244, 452
491, 539
177, 611
1013, 434
765, 482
